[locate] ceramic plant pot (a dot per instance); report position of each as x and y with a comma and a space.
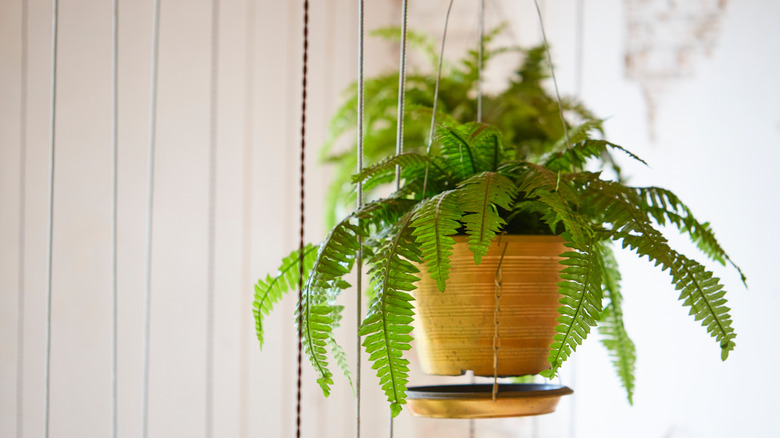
455, 329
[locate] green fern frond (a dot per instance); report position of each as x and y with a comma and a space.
456, 149
269, 291
574, 158
699, 289
316, 313
488, 145
548, 187
614, 336
664, 206
387, 326
338, 352
479, 197
577, 134
581, 301
434, 223
405, 160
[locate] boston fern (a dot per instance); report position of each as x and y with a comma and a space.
471, 184
514, 174
525, 113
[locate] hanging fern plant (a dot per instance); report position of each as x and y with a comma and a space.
480, 180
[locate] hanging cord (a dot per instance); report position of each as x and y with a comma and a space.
359, 261
50, 234
479, 58
399, 141
472, 425
302, 217
212, 213
246, 225
578, 66
114, 208
150, 216
436, 95
552, 73
22, 227
499, 282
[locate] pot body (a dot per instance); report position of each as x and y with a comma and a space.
455, 329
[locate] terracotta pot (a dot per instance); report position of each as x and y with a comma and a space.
454, 329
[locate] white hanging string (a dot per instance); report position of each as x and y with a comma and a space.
578, 77
50, 234
399, 141
479, 58
359, 261
212, 213
149, 218
552, 73
246, 225
114, 208
472, 424
22, 227
436, 94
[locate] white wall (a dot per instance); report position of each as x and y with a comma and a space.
722, 122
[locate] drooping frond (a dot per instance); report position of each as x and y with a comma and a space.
458, 151
488, 145
269, 291
338, 352
387, 326
316, 313
581, 301
699, 289
480, 197
574, 158
664, 206
614, 336
434, 223
538, 182
577, 134
405, 160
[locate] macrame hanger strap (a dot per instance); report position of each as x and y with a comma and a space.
552, 73
302, 221
499, 282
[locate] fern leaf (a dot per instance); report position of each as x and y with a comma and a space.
435, 221
664, 206
540, 183
698, 288
479, 197
575, 157
487, 143
614, 336
338, 352
269, 291
457, 150
387, 326
406, 159
581, 301
316, 315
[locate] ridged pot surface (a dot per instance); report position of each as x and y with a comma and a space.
455, 329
